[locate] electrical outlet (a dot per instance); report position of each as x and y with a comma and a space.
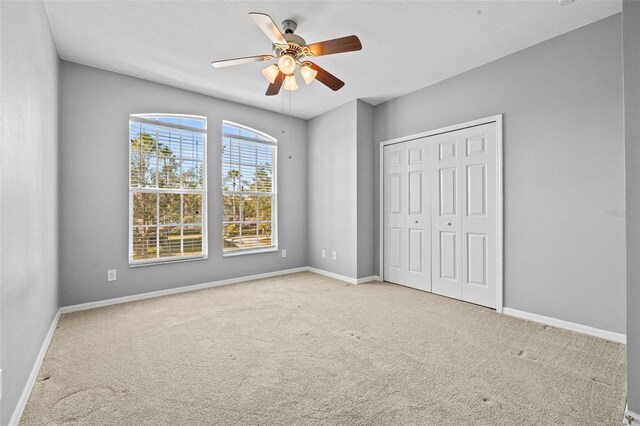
335, 255
323, 253
284, 253
111, 275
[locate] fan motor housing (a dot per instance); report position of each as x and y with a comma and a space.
296, 46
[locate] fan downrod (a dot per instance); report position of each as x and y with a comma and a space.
289, 26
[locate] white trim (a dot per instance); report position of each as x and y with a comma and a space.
500, 213
634, 418
572, 326
22, 402
240, 252
447, 129
500, 195
368, 279
176, 290
142, 118
174, 259
343, 277
273, 143
381, 211
332, 275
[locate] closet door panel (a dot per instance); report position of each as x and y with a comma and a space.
446, 215
479, 224
394, 211
418, 223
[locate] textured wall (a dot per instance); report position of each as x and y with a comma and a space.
332, 188
29, 71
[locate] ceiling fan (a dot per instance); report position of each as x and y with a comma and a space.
291, 50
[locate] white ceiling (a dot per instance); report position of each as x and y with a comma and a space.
407, 45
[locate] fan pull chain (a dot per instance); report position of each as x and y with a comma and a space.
289, 129
283, 116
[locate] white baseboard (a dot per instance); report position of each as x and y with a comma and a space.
149, 295
332, 275
592, 331
343, 277
630, 418
368, 279
26, 392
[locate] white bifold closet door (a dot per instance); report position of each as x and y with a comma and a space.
464, 224
407, 229
440, 223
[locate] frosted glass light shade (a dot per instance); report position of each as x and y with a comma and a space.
290, 83
270, 73
308, 73
287, 64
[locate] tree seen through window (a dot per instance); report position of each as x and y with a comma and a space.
248, 189
167, 195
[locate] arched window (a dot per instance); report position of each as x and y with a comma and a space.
168, 188
249, 222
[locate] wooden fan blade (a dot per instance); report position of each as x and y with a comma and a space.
268, 27
240, 61
337, 45
326, 78
274, 88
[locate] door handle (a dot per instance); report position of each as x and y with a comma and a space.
449, 224
416, 221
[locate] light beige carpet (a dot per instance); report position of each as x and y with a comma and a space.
305, 349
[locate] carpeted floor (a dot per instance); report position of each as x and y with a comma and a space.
306, 349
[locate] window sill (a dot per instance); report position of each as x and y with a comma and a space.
141, 263
250, 251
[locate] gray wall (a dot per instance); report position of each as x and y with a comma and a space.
95, 108
332, 187
631, 41
29, 68
341, 190
365, 190
563, 167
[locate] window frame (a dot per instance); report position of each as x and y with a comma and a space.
145, 118
273, 142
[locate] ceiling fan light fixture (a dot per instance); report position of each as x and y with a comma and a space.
290, 83
287, 64
308, 73
289, 53
270, 73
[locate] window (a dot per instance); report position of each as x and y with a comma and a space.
248, 190
167, 190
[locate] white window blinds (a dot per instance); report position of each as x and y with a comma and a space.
248, 189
